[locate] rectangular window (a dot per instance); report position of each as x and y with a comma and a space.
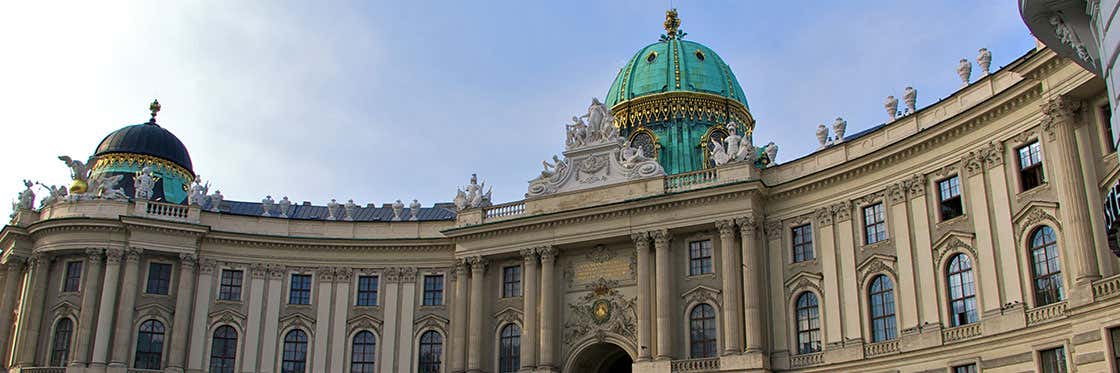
230, 286
73, 276
874, 223
949, 193
970, 368
1106, 122
300, 290
1114, 335
1053, 360
803, 243
367, 290
511, 281
1030, 166
433, 290
699, 257
159, 278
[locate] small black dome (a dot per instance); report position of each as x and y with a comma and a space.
147, 139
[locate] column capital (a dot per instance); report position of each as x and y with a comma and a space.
529, 255
916, 185
94, 255
344, 274
188, 260
407, 274
1060, 110
842, 211
661, 237
993, 154
547, 253
392, 275
132, 254
206, 265
38, 259
823, 216
726, 226
113, 256
16, 264
641, 239
478, 264
773, 229
748, 225
258, 270
276, 271
897, 192
973, 163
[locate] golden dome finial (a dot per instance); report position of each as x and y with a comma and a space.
154, 107
672, 23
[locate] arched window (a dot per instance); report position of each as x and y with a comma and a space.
149, 345
962, 291
363, 352
808, 324
881, 297
295, 352
431, 351
223, 350
509, 355
642, 140
1046, 268
60, 344
702, 331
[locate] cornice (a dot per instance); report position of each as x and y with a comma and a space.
423, 245
44, 227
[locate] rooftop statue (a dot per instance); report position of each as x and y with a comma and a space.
216, 201
631, 156
25, 200
738, 148
577, 131
398, 208
144, 182
891, 104
473, 197
79, 173
598, 129
284, 205
105, 187
351, 210
332, 210
551, 168
57, 194
964, 69
839, 126
984, 59
414, 210
910, 96
732, 139
266, 205
822, 136
719, 154
197, 195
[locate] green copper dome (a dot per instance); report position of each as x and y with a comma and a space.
675, 65
674, 97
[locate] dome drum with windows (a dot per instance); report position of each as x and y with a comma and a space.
674, 96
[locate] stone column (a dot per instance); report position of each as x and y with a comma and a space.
88, 313
252, 346
977, 195
203, 295
753, 281
271, 340
474, 358
1059, 118
31, 310
122, 329
729, 268
1004, 235
342, 277
14, 277
776, 258
641, 244
529, 309
923, 256
323, 323
830, 313
459, 318
180, 325
105, 313
900, 231
665, 294
849, 284
1085, 138
549, 323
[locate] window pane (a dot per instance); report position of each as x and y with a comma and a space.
223, 350
367, 290
300, 289
295, 352
433, 290
511, 281
700, 257
159, 278
230, 288
60, 345
431, 352
73, 276
363, 352
509, 355
149, 345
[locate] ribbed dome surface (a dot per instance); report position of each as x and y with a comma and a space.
147, 139
675, 65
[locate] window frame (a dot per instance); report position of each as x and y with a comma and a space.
811, 334
802, 250
372, 362
433, 297
224, 288
1112, 334
297, 360
704, 344
1037, 166
1062, 358
156, 353
512, 287
967, 368
509, 357
300, 296
372, 293
967, 299
699, 263
158, 281
232, 359
957, 199
59, 355
437, 344
885, 295
69, 276
1052, 256
879, 225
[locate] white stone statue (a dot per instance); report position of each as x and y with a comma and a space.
771, 150
891, 104
351, 210
144, 182
839, 126
414, 210
332, 210
398, 208
551, 168
984, 59
597, 113
216, 201
284, 204
473, 197
732, 140
197, 195
577, 131
26, 199
964, 70
56, 194
822, 136
266, 205
719, 154
630, 155
78, 170
910, 96
1067, 36
106, 188
746, 148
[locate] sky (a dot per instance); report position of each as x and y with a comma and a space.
377, 101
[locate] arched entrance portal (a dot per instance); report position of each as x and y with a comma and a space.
601, 357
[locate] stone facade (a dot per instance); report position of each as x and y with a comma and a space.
618, 273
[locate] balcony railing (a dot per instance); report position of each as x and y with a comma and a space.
880, 348
505, 210
1106, 287
961, 333
689, 180
696, 365
1046, 313
805, 360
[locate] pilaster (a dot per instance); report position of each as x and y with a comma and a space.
474, 350
923, 253
342, 278
752, 292
199, 328
641, 245
256, 294
977, 194
530, 294
88, 315
323, 321
1004, 235
127, 306
31, 310
105, 315
849, 284
665, 293
900, 231
459, 317
407, 307
14, 280
270, 340
826, 236
549, 323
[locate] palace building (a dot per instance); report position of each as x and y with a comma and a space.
963, 236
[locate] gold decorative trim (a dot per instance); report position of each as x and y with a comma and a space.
652, 136
691, 105
107, 160
676, 62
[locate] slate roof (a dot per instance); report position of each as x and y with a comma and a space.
440, 212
